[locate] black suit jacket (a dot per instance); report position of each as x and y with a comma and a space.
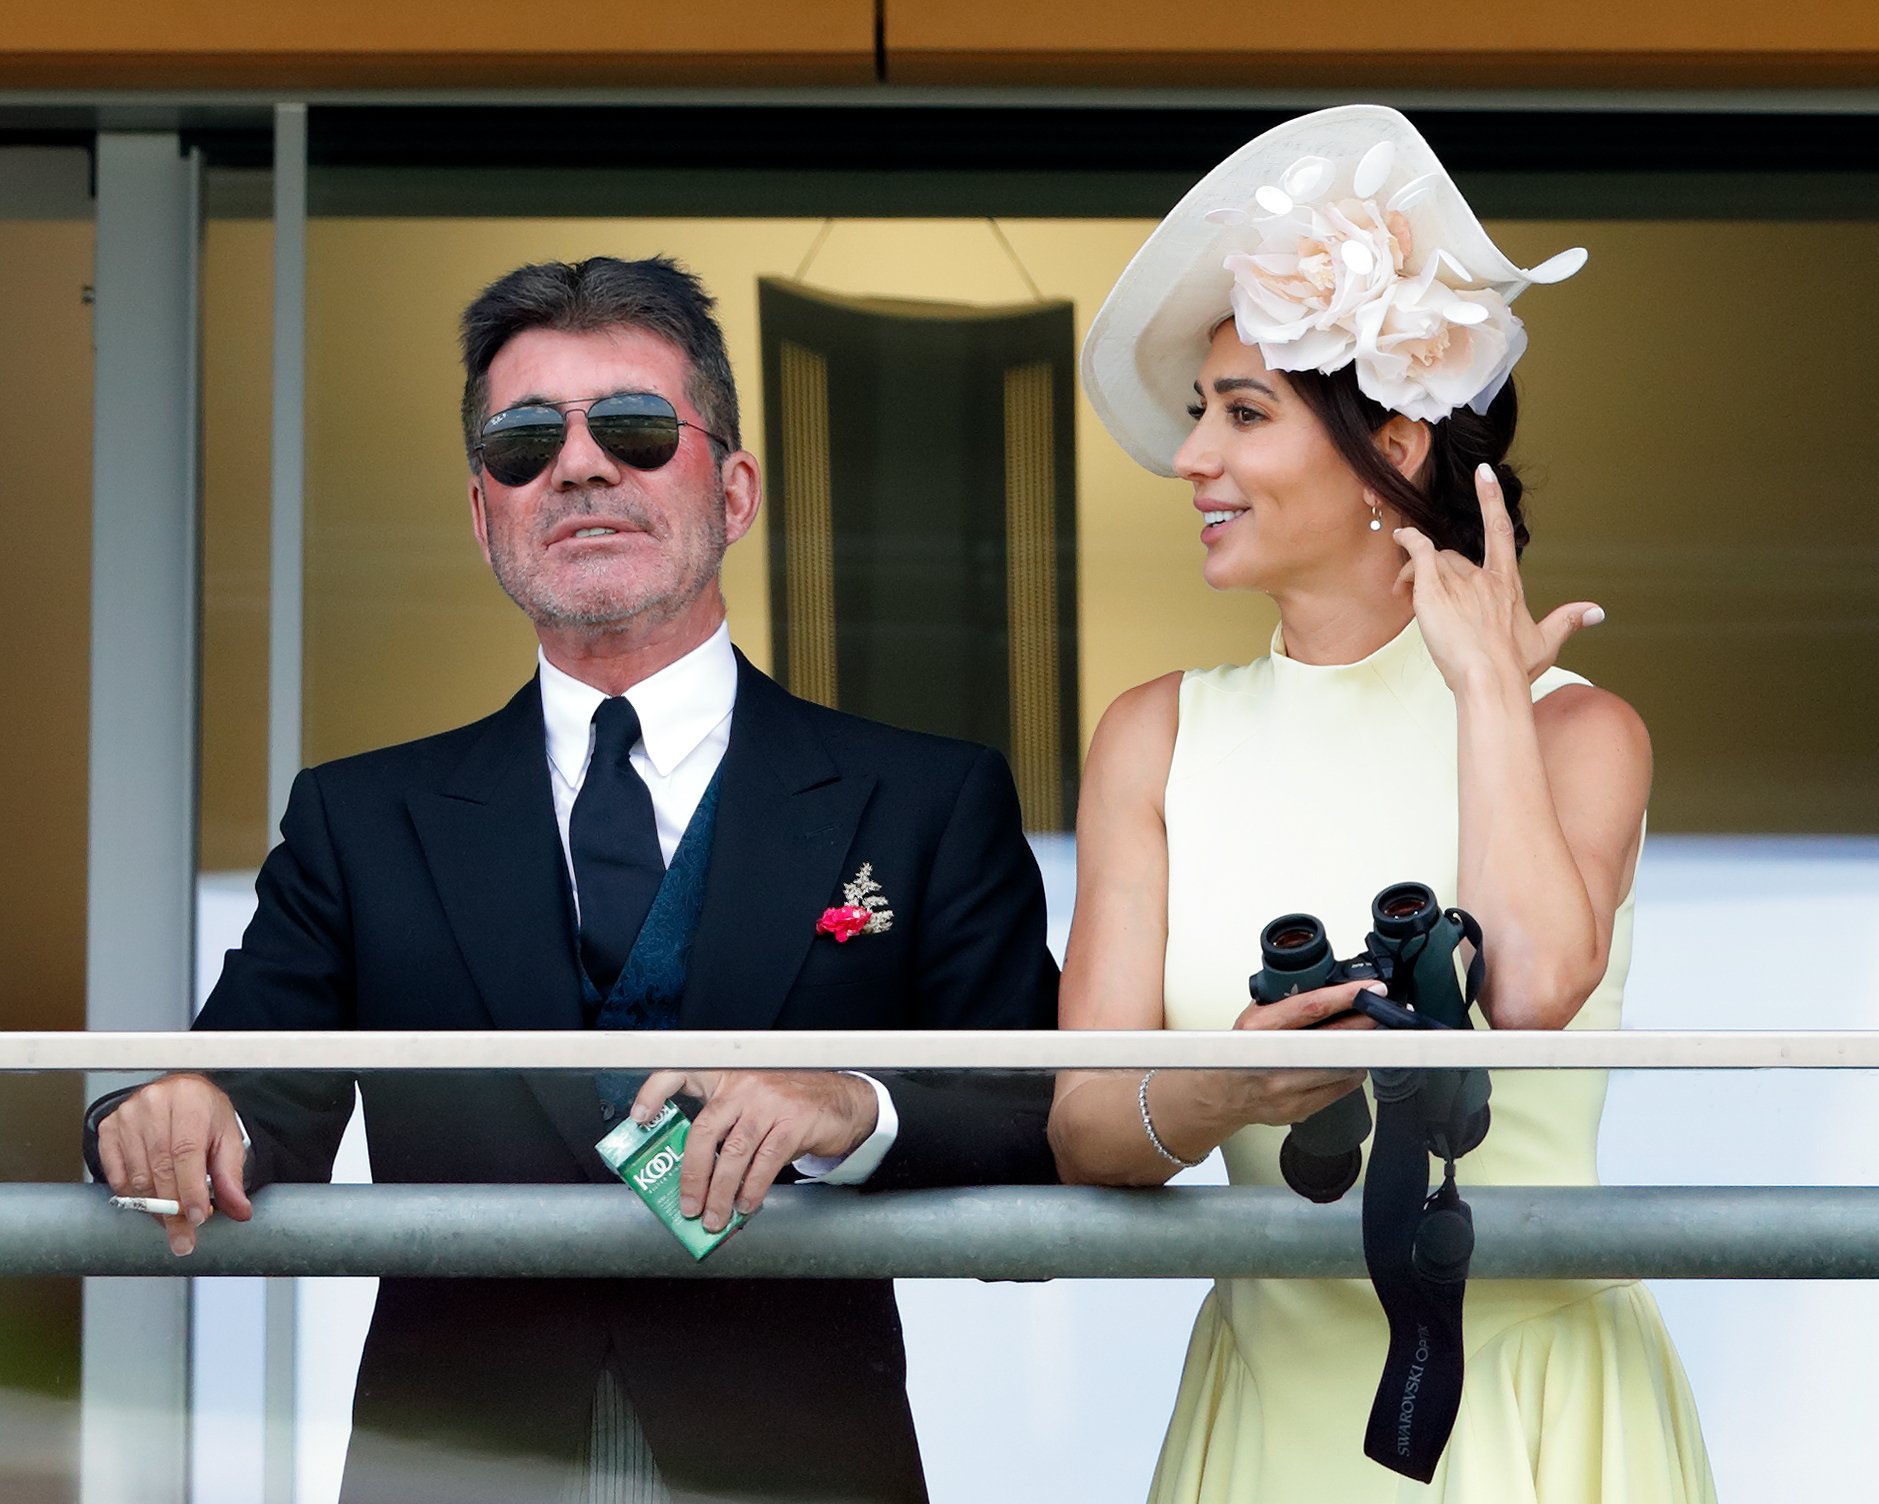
424, 887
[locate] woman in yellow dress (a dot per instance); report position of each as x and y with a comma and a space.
1318, 340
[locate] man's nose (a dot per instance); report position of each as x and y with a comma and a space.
582, 461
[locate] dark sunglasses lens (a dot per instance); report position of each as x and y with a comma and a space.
638, 429
521, 443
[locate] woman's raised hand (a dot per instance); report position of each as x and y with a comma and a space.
1474, 618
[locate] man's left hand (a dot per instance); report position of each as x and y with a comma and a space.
752, 1125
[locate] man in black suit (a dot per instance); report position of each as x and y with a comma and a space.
648, 835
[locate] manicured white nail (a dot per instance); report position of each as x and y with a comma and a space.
1486, 472
1593, 617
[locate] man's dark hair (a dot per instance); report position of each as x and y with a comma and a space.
656, 295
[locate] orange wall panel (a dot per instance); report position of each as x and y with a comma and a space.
493, 43
1514, 42
195, 43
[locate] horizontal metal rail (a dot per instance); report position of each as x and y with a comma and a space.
888, 1049
803, 1232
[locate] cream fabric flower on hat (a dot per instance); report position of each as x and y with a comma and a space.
1335, 277
1436, 350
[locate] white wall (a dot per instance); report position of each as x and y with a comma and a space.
1783, 1371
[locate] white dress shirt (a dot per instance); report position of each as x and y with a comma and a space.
685, 724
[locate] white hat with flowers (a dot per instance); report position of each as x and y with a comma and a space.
1334, 239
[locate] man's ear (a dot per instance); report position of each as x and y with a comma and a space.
479, 515
743, 493
1404, 443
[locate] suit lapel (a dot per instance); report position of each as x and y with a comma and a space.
489, 838
786, 820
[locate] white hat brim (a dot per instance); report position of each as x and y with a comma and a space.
1149, 338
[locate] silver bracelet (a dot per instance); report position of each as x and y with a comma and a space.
1148, 1127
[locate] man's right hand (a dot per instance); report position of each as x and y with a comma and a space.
175, 1138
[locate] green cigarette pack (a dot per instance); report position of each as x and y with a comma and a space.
646, 1156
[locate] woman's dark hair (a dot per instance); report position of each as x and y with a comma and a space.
1441, 500
656, 295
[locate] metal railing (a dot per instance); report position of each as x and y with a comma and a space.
1003, 1232
991, 1232
890, 1049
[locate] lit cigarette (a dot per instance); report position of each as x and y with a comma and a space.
162, 1206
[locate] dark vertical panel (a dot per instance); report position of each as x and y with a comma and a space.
918, 476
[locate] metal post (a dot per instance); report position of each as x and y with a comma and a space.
287, 509
286, 616
140, 910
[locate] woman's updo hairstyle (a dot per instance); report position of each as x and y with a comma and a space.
1441, 500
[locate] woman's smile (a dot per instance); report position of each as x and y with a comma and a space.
1216, 520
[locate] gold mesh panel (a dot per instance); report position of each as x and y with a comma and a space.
1031, 593
808, 545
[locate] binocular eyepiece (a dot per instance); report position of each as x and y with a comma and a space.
1295, 953
1410, 954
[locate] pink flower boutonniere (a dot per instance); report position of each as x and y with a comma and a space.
844, 922
865, 912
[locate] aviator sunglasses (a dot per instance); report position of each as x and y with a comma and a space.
640, 429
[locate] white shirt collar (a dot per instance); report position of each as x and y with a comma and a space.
677, 707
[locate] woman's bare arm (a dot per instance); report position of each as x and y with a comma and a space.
1552, 814
1112, 976
1552, 795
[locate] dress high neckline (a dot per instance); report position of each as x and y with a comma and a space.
1404, 648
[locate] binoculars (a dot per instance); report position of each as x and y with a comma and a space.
1410, 952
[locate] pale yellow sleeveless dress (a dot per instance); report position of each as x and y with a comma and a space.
1302, 787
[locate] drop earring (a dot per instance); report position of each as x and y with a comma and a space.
1376, 512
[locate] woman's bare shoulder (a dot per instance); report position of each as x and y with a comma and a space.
1582, 720
1134, 741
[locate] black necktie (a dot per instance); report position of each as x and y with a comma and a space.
615, 846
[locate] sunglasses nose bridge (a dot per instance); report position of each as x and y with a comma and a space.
582, 459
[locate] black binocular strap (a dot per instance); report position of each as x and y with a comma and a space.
1420, 1391
1470, 928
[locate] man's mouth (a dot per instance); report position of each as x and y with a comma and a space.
585, 532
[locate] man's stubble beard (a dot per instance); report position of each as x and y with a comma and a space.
610, 600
